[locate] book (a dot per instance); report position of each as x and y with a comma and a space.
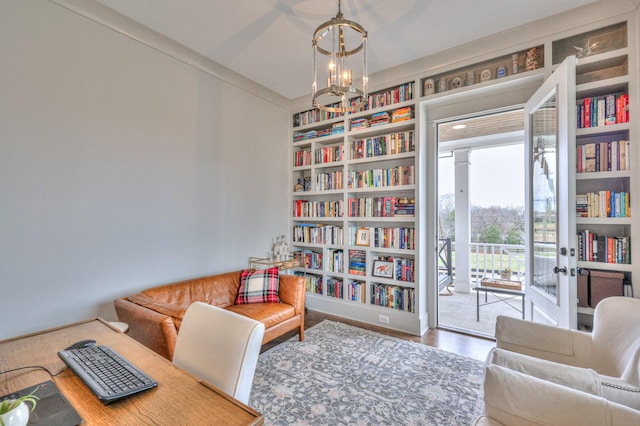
610, 110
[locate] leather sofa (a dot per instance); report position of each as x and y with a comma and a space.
154, 315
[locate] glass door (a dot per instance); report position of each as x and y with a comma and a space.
550, 135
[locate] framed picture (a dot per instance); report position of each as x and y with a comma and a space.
362, 237
382, 268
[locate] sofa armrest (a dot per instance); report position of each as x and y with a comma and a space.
543, 341
513, 398
153, 329
293, 291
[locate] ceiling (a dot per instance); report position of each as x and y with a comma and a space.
269, 41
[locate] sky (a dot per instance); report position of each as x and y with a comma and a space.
496, 176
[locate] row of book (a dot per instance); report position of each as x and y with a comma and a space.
305, 182
360, 123
600, 248
335, 261
400, 298
336, 129
402, 238
313, 116
302, 158
313, 233
334, 288
357, 291
402, 114
398, 94
403, 268
357, 262
377, 178
329, 181
396, 238
603, 110
394, 143
306, 208
329, 154
313, 282
379, 118
603, 204
310, 259
401, 93
603, 156
379, 207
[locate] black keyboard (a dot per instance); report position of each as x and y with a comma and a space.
106, 373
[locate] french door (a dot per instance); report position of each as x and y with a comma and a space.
550, 123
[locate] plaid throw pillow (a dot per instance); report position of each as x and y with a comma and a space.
258, 286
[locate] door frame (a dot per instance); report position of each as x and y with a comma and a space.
497, 96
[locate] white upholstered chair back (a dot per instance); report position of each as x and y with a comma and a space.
220, 347
616, 338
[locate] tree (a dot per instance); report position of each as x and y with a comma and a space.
514, 236
492, 235
447, 216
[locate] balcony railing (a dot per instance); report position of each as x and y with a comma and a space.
489, 260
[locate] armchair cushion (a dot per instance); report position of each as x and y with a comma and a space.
544, 341
577, 378
258, 286
513, 398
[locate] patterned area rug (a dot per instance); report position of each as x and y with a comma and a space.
347, 375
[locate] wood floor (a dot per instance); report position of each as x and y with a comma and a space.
462, 344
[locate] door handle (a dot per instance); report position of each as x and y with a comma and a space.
557, 270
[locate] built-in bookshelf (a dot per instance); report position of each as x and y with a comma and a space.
604, 149
356, 177
354, 180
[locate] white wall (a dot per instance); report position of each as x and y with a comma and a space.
122, 167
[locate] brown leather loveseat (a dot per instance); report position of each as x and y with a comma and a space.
155, 314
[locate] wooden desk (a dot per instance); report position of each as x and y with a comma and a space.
179, 398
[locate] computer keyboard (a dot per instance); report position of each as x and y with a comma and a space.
106, 373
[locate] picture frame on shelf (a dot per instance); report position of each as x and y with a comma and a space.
382, 268
362, 237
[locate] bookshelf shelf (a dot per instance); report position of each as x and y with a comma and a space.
604, 175
622, 267
603, 130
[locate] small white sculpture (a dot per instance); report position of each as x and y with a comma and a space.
280, 249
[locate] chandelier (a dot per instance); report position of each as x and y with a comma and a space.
342, 39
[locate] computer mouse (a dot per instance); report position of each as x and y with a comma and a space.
82, 344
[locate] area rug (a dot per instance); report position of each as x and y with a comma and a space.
345, 375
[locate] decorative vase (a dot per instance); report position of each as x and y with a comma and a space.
19, 416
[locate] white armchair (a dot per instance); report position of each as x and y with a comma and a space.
605, 362
513, 398
220, 347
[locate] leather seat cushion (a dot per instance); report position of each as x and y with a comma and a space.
268, 313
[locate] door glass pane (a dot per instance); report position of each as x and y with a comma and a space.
544, 181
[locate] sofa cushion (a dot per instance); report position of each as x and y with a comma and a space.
258, 286
175, 312
219, 290
269, 314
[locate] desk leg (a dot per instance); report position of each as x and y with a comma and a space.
478, 305
523, 306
